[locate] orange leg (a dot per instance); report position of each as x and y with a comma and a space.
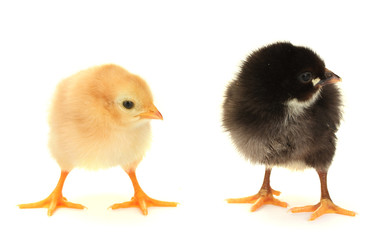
141, 199
55, 199
263, 197
325, 205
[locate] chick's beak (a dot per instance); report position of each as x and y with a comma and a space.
151, 113
329, 78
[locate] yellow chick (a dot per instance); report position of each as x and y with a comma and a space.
99, 118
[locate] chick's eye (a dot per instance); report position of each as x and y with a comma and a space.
128, 104
305, 77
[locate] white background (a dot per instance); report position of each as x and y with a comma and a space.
188, 52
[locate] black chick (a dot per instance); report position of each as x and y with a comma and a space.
283, 109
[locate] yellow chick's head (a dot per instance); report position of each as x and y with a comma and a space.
124, 96
98, 119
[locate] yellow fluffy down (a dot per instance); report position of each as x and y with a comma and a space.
90, 128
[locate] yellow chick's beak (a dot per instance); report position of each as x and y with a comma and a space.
151, 113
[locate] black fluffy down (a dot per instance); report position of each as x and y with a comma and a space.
258, 117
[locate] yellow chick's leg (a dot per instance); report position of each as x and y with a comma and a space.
325, 205
264, 196
141, 199
55, 199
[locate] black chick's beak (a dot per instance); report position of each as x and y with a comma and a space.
329, 78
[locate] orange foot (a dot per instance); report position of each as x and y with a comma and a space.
52, 203
323, 207
142, 201
261, 198
55, 200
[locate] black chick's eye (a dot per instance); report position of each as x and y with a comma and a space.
128, 104
305, 77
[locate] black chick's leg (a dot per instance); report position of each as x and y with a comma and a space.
325, 205
263, 197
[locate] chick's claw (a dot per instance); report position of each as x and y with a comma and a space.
142, 201
323, 207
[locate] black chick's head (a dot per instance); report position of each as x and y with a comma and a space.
281, 71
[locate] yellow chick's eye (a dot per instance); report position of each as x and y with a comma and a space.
128, 104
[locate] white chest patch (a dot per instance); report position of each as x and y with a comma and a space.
296, 107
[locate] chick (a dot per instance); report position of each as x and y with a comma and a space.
283, 110
99, 118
